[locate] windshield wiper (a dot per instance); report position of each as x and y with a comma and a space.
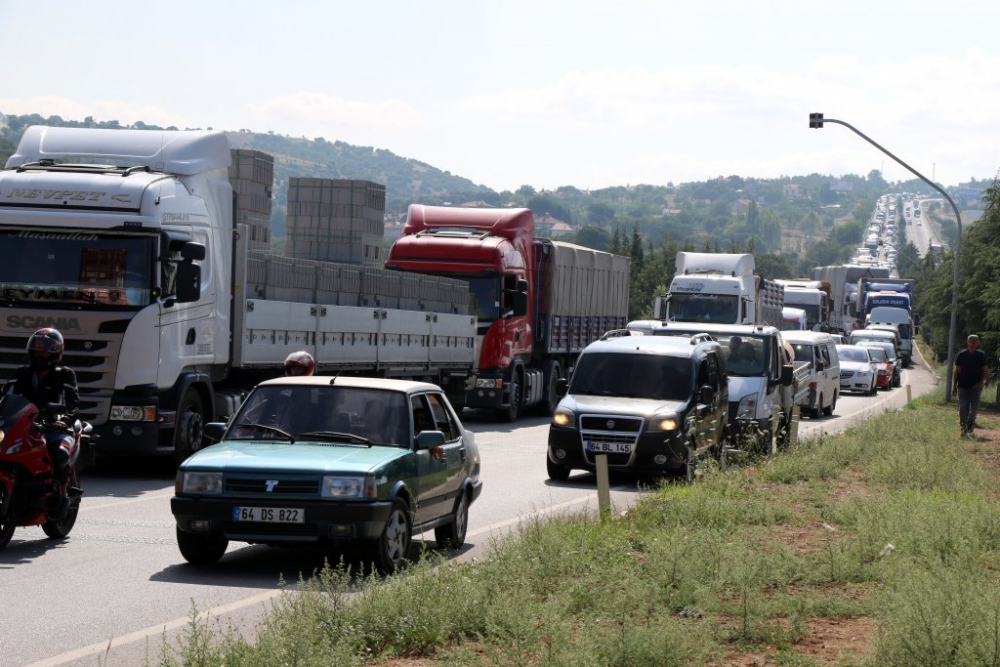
272, 429
337, 435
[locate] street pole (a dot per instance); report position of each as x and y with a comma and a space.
816, 121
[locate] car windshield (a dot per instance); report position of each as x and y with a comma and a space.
714, 308
45, 268
633, 376
746, 355
887, 348
853, 353
322, 413
878, 355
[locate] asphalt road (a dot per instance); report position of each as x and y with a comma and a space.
111, 592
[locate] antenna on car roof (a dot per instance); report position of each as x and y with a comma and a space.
334, 378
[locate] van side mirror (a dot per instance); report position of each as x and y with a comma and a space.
787, 374
562, 387
706, 394
820, 366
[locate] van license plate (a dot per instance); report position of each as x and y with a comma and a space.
269, 514
609, 447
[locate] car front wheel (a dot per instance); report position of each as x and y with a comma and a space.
201, 549
392, 548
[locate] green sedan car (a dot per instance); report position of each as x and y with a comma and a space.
322, 459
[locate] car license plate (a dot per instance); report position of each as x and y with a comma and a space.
609, 447
269, 514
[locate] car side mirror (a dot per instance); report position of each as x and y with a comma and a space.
214, 431
706, 394
430, 440
562, 387
787, 374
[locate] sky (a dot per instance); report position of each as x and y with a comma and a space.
582, 93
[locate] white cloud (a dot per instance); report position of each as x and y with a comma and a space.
329, 116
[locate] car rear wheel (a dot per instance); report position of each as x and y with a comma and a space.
200, 549
452, 534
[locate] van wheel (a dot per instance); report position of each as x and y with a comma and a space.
818, 410
828, 411
557, 472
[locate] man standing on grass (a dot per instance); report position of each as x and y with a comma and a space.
971, 377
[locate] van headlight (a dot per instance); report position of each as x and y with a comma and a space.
565, 418
747, 408
663, 423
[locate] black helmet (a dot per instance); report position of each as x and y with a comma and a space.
45, 340
299, 364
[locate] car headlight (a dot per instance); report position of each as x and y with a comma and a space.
133, 413
564, 418
201, 482
747, 408
661, 423
864, 373
348, 487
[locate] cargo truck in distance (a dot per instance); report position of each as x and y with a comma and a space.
539, 303
720, 288
812, 296
124, 240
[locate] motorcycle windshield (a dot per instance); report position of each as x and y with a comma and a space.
12, 408
47, 268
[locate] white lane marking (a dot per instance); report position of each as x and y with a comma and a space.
161, 628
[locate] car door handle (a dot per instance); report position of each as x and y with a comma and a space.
461, 454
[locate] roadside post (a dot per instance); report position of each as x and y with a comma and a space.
603, 487
909, 394
793, 440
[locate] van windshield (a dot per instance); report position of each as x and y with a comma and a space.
633, 376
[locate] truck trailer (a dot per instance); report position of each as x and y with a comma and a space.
539, 303
125, 241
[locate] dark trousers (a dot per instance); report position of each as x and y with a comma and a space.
59, 444
968, 405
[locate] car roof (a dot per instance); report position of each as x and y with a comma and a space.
407, 386
666, 346
806, 337
877, 333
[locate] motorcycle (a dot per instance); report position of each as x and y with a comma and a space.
29, 490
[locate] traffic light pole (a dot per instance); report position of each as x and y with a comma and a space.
816, 121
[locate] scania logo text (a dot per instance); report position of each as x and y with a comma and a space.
33, 322
64, 195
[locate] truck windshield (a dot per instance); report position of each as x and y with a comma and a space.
486, 292
77, 269
714, 308
812, 312
633, 376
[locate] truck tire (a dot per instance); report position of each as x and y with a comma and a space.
513, 411
189, 425
552, 375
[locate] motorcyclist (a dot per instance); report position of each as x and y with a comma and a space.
44, 382
299, 364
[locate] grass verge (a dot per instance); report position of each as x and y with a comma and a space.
879, 546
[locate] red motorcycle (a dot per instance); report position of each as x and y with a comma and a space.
28, 488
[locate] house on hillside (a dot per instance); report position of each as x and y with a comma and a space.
792, 191
739, 207
552, 227
842, 186
476, 204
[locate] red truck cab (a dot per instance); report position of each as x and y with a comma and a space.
493, 250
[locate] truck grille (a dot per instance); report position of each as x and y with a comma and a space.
93, 356
284, 488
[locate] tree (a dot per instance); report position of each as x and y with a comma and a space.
525, 191
616, 246
753, 218
600, 213
594, 237
635, 250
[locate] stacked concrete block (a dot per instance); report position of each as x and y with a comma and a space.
335, 220
252, 176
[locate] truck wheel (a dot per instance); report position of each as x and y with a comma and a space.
201, 549
512, 411
557, 472
551, 401
392, 548
189, 425
452, 535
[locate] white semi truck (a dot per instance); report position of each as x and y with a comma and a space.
720, 288
124, 240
